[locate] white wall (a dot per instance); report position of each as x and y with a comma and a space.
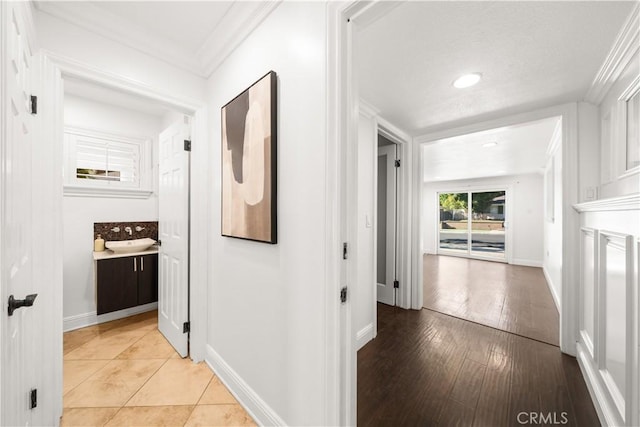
266, 327
553, 241
79, 213
364, 298
588, 151
73, 42
526, 203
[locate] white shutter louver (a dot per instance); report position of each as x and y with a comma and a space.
100, 163
107, 160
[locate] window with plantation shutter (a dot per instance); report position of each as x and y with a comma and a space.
98, 163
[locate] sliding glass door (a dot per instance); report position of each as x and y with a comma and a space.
454, 222
473, 224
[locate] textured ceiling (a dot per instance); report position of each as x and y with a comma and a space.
531, 55
520, 149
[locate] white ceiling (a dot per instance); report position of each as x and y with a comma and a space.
193, 35
520, 149
531, 55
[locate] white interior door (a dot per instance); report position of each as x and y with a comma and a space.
31, 344
386, 224
173, 274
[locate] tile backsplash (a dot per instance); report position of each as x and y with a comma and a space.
104, 229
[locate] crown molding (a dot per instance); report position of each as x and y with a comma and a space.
624, 48
367, 110
240, 21
392, 132
115, 28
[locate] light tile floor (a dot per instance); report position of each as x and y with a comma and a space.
124, 373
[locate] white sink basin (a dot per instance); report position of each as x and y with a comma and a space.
127, 246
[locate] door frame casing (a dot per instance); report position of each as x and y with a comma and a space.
508, 189
199, 212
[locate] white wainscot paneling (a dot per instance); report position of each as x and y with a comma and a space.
615, 355
588, 277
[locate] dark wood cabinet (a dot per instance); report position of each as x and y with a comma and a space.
148, 279
126, 282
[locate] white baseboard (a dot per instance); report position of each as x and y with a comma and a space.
259, 410
596, 389
89, 319
526, 262
364, 335
552, 289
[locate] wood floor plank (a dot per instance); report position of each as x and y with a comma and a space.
423, 370
466, 389
508, 297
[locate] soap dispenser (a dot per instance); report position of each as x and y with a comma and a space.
98, 245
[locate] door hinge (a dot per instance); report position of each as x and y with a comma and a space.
345, 250
397, 163
343, 295
186, 327
34, 104
396, 284
187, 145
34, 398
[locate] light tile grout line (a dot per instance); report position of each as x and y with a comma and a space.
115, 358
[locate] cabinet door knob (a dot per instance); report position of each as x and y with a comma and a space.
141, 264
135, 264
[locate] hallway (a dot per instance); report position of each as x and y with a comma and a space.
508, 297
428, 368
125, 373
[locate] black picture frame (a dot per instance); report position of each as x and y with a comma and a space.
249, 162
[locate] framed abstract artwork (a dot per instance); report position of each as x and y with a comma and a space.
249, 142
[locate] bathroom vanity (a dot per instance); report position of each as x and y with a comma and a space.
125, 280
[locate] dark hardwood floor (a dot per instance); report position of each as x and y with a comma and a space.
427, 368
507, 297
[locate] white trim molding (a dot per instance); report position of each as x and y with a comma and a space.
552, 290
622, 203
620, 398
526, 262
364, 335
250, 400
78, 321
80, 70
624, 48
239, 21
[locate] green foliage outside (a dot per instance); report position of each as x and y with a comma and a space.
452, 201
481, 201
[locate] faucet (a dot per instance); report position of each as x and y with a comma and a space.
128, 230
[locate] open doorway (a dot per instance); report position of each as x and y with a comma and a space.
495, 209
126, 195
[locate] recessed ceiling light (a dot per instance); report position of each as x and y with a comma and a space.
489, 144
467, 80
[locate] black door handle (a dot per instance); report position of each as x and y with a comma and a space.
17, 303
